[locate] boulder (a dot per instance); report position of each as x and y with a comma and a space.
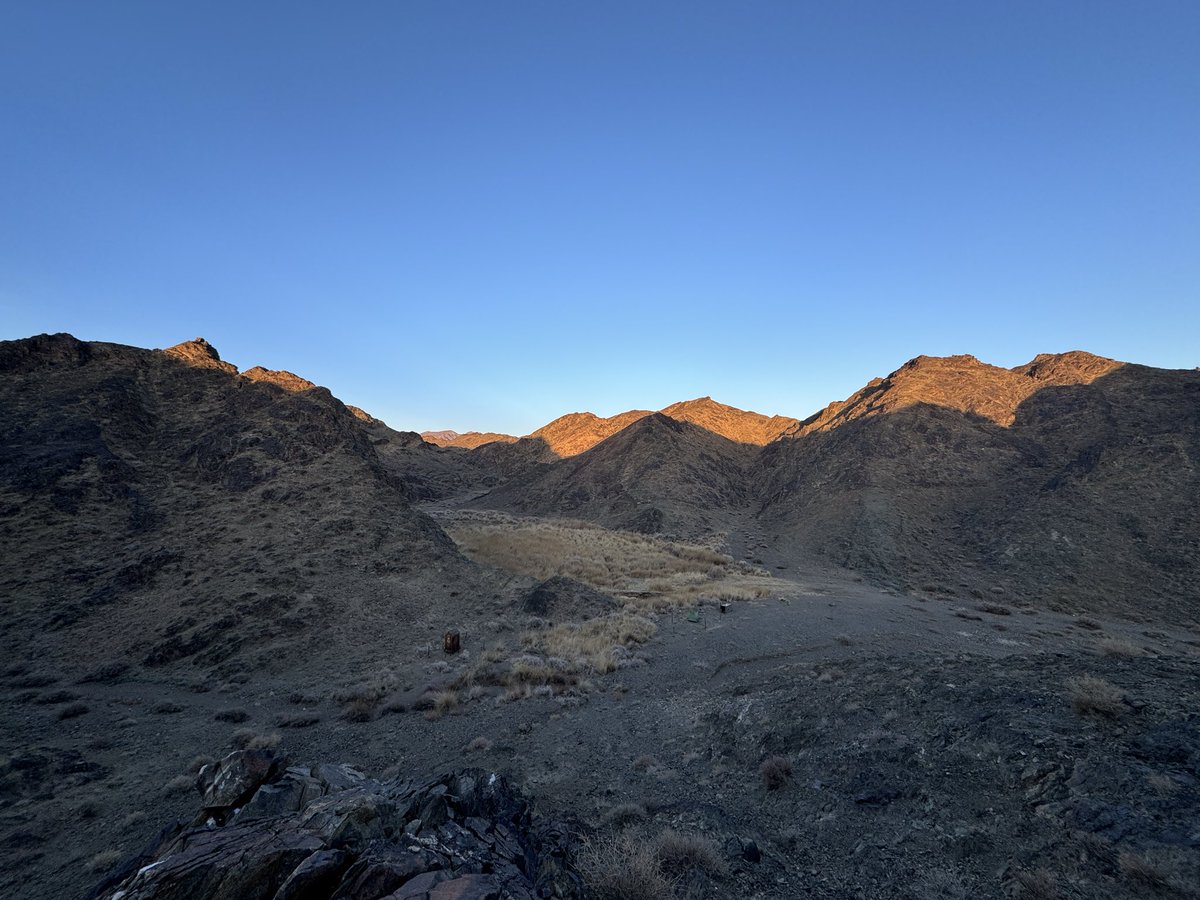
233, 780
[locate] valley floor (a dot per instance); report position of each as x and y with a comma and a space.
914, 747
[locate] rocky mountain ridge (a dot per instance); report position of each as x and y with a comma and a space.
573, 433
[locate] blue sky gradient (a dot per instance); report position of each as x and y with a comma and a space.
483, 215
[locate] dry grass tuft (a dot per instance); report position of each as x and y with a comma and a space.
623, 814
678, 853
645, 762
623, 867
73, 710
104, 860
1096, 697
249, 739
1119, 648
180, 784
479, 745
776, 772
263, 742
440, 703
361, 709
591, 645
1167, 872
1035, 884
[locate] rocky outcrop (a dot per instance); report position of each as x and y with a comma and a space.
201, 354
657, 474
738, 425
282, 378
269, 830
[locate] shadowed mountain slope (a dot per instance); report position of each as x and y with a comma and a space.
157, 506
1070, 481
656, 474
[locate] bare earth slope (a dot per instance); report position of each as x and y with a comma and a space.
158, 507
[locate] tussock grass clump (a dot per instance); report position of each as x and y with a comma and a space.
1118, 648
248, 739
297, 720
1091, 696
180, 784
679, 853
373, 689
479, 745
645, 763
623, 867
73, 711
1035, 884
89, 809
263, 742
623, 814
440, 703
104, 860
1168, 872
776, 772
627, 864
590, 644
360, 709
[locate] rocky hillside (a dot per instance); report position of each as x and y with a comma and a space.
656, 474
574, 433
157, 506
730, 422
1070, 481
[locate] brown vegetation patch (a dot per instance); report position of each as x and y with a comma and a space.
1096, 697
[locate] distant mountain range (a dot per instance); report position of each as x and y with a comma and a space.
574, 433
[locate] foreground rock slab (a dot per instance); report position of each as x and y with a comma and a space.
277, 832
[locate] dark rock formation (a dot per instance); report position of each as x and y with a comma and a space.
267, 830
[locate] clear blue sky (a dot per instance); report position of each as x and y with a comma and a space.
485, 214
